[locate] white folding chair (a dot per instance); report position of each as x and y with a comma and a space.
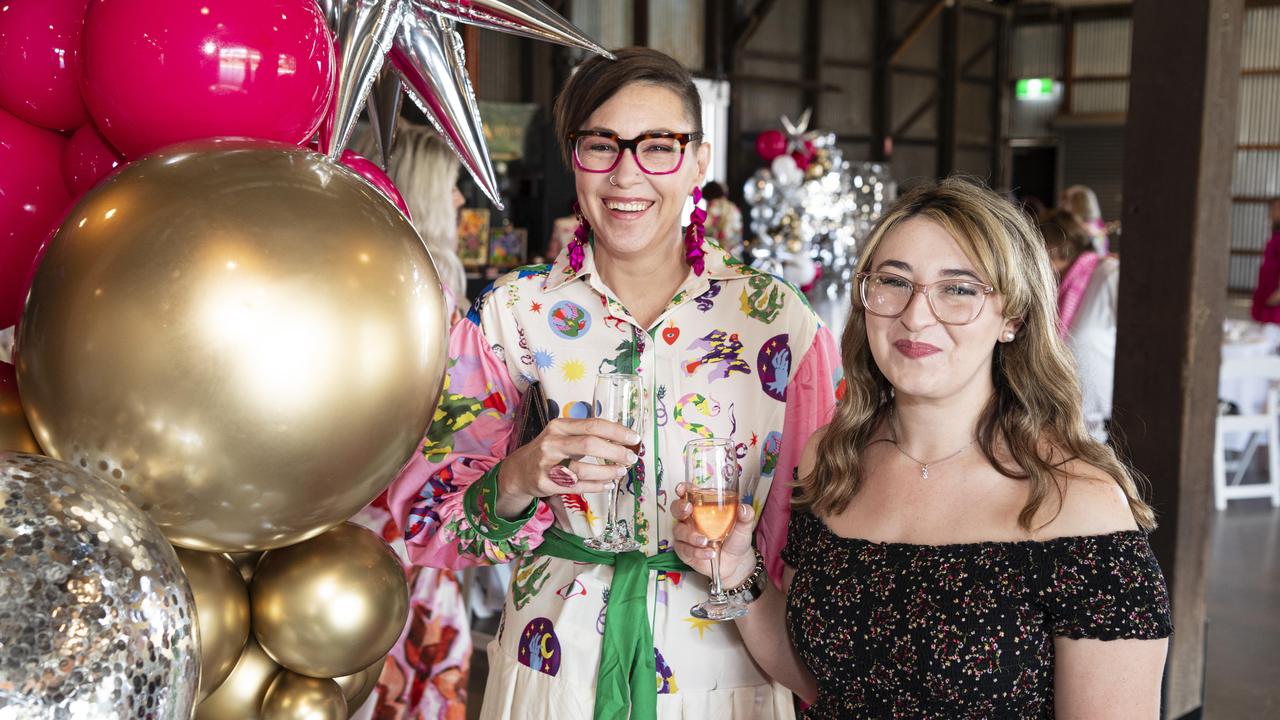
1261, 427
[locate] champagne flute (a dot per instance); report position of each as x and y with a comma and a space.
711, 469
619, 397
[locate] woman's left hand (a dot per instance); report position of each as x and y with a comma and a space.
737, 558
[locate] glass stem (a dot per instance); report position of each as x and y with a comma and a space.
611, 514
717, 592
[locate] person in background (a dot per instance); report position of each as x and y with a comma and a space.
724, 219
1083, 202
425, 674
959, 546
1088, 295
1266, 296
425, 171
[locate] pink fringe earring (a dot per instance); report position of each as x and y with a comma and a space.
695, 233
581, 234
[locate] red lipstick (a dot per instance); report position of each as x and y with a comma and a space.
916, 350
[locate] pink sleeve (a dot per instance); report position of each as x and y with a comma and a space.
444, 525
811, 398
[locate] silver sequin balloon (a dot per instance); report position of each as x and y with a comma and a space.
95, 611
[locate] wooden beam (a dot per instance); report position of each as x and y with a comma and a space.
881, 137
1183, 94
789, 82
917, 27
1000, 176
1068, 36
977, 55
948, 89
640, 22
811, 48
916, 114
471, 46
751, 24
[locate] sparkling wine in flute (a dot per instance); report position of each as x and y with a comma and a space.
714, 513
711, 476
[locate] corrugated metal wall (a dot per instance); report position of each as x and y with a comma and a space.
1256, 177
676, 28
1100, 64
1036, 53
609, 22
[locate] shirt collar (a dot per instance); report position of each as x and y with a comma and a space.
718, 264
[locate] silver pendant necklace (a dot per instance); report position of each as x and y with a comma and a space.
924, 466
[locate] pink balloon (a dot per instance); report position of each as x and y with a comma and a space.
33, 199
770, 144
87, 159
40, 54
156, 72
375, 177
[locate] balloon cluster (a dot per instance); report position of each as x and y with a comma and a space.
809, 209
300, 632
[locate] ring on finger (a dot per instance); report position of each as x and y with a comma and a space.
561, 475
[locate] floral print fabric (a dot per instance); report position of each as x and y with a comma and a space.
892, 630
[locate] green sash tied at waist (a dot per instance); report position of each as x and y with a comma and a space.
627, 674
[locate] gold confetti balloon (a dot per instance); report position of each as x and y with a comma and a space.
244, 337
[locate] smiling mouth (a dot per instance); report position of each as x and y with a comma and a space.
628, 207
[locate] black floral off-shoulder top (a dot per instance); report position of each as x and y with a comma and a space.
892, 630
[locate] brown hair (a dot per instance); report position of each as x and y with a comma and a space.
599, 79
1035, 411
1065, 236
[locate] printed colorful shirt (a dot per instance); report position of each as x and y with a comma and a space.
736, 354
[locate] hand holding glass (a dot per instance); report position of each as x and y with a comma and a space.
619, 398
711, 470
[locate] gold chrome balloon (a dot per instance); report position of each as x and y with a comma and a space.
298, 697
332, 605
358, 687
222, 614
15, 434
247, 339
240, 696
245, 563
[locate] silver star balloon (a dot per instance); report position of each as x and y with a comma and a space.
426, 54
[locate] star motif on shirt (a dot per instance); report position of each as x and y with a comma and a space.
754, 439
699, 624
535, 307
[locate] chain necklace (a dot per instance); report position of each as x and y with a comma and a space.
924, 466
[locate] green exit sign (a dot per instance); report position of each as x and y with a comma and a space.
1032, 88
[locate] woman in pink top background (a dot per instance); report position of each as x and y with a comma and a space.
1266, 297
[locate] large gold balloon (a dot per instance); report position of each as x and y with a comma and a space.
15, 434
248, 339
222, 614
298, 697
358, 687
240, 696
332, 605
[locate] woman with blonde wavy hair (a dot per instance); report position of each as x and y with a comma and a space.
425, 171
959, 545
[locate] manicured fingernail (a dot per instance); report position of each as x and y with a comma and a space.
619, 471
708, 554
631, 458
633, 438
701, 541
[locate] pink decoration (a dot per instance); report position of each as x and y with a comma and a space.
581, 235
33, 199
695, 233
770, 144
87, 159
375, 177
157, 72
802, 160
372, 174
40, 54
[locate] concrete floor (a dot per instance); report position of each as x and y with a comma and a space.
1243, 668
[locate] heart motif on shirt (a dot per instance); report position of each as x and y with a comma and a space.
670, 334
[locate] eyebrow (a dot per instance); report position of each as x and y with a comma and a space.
949, 272
645, 132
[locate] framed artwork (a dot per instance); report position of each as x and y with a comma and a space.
473, 237
507, 247
561, 235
